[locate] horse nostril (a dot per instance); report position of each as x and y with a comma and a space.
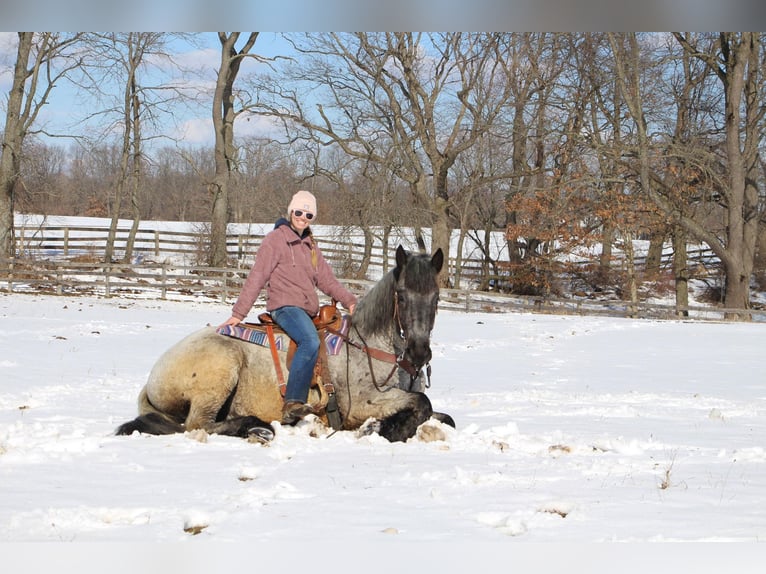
419, 353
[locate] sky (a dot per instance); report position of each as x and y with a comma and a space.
190, 124
578, 440
193, 125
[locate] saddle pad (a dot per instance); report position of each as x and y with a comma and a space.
257, 335
334, 342
254, 335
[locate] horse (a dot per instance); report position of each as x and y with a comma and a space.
228, 386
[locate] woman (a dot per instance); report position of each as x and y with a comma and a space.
290, 265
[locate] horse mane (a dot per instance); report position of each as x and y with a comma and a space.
375, 311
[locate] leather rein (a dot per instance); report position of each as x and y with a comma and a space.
378, 354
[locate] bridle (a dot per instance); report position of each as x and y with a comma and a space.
398, 361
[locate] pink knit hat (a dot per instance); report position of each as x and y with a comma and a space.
303, 200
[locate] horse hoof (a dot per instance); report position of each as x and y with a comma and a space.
260, 435
444, 418
371, 426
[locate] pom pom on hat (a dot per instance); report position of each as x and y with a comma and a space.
303, 200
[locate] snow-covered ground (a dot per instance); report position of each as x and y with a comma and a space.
569, 430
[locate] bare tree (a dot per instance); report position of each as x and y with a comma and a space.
42, 59
736, 59
224, 114
42, 172
428, 98
730, 178
123, 73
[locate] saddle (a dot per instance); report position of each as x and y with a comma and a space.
329, 317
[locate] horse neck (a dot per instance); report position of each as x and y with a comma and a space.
374, 318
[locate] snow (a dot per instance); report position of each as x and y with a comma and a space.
570, 430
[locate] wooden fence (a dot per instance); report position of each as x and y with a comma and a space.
56, 241
343, 251
170, 281
67, 260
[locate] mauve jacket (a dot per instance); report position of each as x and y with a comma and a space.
284, 266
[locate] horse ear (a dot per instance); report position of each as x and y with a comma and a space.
401, 257
438, 260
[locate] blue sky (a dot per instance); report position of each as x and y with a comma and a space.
193, 126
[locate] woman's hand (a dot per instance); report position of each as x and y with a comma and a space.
230, 321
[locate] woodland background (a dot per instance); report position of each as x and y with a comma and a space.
566, 142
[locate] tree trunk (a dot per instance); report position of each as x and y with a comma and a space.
654, 255
136, 179
124, 175
441, 233
737, 65
681, 271
743, 220
630, 270
605, 259
369, 240
13, 138
225, 153
459, 257
386, 238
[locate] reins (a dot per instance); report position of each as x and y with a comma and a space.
399, 361
377, 354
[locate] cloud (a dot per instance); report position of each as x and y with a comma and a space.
197, 131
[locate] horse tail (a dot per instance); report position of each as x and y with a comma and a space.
150, 421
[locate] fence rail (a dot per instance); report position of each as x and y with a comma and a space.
82, 241
343, 251
170, 281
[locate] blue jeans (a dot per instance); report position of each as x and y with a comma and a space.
299, 326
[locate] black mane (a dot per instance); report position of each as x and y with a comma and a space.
375, 311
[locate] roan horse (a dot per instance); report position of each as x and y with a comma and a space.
229, 386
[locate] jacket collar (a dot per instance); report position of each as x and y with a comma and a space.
283, 222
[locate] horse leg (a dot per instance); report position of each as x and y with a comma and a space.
150, 423
249, 427
403, 424
214, 418
149, 420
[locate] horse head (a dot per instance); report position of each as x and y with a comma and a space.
416, 297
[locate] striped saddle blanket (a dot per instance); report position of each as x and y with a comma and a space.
256, 333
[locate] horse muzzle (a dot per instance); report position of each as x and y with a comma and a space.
418, 353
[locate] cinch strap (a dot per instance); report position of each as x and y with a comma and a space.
275, 357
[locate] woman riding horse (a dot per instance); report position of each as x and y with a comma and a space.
291, 266
227, 385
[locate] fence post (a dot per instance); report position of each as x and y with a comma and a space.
156, 242
66, 242
164, 289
